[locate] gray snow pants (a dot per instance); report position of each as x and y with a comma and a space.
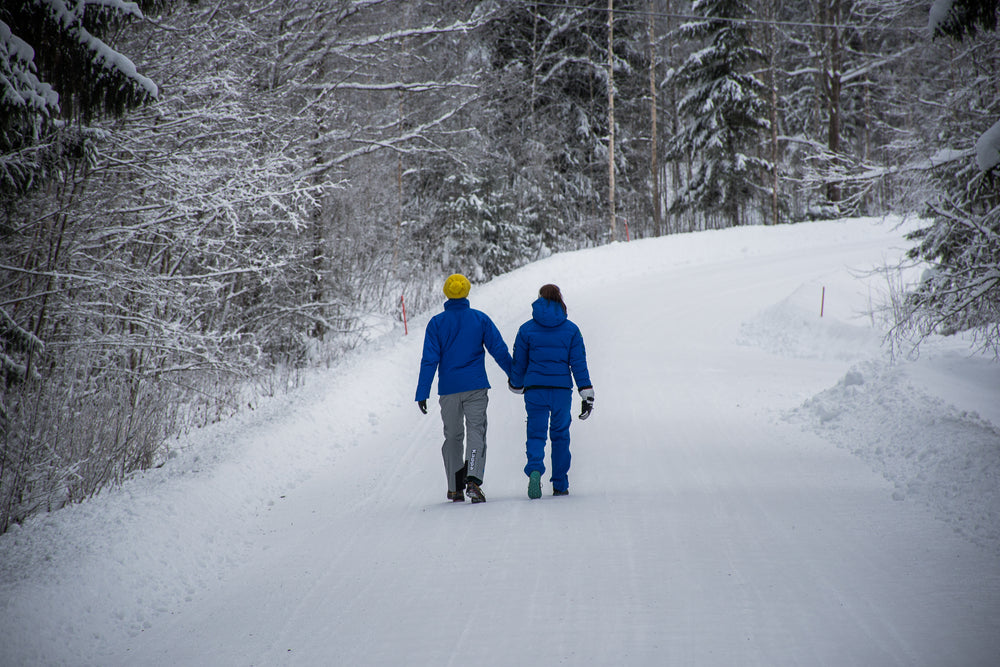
464, 448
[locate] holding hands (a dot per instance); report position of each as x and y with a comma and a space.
586, 394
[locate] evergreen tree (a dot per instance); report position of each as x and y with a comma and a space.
56, 73
961, 18
475, 228
961, 289
723, 113
55, 64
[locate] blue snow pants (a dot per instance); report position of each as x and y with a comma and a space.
549, 417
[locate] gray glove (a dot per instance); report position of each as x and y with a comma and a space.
587, 405
423, 406
516, 390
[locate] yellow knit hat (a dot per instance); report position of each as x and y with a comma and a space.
457, 286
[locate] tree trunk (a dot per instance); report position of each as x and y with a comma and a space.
833, 90
611, 122
654, 148
773, 84
671, 95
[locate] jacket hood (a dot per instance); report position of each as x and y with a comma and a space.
547, 313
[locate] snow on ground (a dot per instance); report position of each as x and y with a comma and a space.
759, 485
929, 427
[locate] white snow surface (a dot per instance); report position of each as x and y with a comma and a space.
988, 148
758, 485
938, 13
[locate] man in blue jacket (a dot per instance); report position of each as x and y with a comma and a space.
454, 346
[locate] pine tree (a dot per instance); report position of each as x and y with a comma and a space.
960, 290
55, 64
723, 112
961, 18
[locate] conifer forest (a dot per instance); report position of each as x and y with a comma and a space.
200, 200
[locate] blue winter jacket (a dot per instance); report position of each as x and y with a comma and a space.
454, 344
548, 349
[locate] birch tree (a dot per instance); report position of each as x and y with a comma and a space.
549, 87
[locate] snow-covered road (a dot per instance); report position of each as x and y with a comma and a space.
709, 523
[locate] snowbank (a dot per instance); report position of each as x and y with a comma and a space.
943, 456
929, 425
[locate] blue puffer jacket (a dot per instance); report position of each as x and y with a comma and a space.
548, 348
454, 345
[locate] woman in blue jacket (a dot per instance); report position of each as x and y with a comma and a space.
548, 356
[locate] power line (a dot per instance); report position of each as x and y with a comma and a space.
692, 17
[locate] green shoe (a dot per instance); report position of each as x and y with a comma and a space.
535, 485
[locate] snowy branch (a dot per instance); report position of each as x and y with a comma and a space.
395, 86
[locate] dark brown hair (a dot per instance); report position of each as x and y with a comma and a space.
552, 293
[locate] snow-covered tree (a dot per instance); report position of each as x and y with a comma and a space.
960, 18
839, 76
222, 231
547, 115
961, 288
59, 73
56, 65
723, 112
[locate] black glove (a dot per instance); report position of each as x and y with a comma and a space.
587, 405
516, 390
423, 406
